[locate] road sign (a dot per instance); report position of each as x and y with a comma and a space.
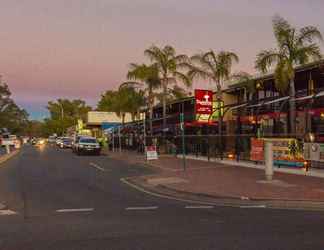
151, 153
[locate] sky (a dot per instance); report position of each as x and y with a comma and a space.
81, 48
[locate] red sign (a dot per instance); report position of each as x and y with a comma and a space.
204, 101
257, 153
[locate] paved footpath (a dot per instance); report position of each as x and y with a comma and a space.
225, 181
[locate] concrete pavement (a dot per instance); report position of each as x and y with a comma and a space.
98, 211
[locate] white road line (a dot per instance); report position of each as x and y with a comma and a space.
142, 208
68, 210
254, 206
7, 212
199, 207
161, 195
97, 167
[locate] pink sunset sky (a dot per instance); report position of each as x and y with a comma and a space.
80, 48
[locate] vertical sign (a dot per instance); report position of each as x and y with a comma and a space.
204, 104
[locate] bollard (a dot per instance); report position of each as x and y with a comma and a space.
8, 149
268, 160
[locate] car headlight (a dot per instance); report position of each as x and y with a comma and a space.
81, 146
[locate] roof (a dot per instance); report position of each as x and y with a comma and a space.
269, 76
189, 98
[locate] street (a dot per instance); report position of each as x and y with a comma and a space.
57, 200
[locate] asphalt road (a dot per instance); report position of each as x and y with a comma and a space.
63, 201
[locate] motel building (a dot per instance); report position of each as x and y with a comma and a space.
249, 110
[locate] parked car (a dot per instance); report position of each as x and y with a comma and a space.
75, 141
87, 145
8, 139
59, 141
51, 139
40, 142
33, 141
66, 142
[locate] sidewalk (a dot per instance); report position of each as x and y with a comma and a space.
218, 180
4, 157
311, 172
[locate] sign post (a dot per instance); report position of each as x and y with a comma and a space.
113, 140
144, 131
119, 140
8, 148
183, 141
151, 153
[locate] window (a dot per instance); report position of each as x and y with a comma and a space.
88, 140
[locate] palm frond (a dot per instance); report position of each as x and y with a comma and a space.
186, 79
282, 30
196, 72
169, 51
130, 84
308, 34
266, 59
181, 59
305, 54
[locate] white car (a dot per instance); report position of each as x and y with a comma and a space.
51, 139
86, 145
10, 140
59, 141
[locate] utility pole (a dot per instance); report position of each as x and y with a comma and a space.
183, 138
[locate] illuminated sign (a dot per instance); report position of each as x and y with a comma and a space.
204, 101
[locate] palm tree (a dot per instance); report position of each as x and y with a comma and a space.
294, 48
216, 68
130, 100
147, 78
174, 93
167, 63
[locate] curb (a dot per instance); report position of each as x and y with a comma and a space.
200, 198
6, 157
3, 206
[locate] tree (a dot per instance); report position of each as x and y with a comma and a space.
35, 128
125, 100
168, 64
131, 100
295, 47
64, 113
174, 93
11, 116
147, 78
213, 67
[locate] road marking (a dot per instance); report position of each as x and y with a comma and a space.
161, 195
7, 212
199, 207
97, 167
254, 206
68, 210
142, 208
